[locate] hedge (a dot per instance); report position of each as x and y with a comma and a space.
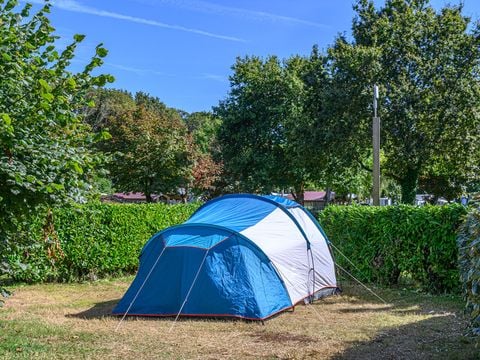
469, 259
90, 241
393, 244
387, 244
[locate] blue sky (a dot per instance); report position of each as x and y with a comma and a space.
182, 50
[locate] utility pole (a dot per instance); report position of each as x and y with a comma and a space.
376, 149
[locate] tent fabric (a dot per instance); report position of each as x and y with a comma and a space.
239, 255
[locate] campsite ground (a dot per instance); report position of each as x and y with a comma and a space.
72, 321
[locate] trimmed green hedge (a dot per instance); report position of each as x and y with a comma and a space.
469, 259
398, 243
387, 244
96, 240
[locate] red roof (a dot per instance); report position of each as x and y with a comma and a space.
311, 196
133, 196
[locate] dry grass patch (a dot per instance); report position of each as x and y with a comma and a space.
72, 321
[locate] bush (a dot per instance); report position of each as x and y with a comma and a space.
469, 261
393, 243
92, 241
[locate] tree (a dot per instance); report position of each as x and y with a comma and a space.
427, 66
264, 126
150, 147
329, 156
109, 103
45, 158
141, 121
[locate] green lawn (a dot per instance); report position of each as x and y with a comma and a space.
72, 321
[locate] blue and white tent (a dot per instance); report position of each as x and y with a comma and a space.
240, 255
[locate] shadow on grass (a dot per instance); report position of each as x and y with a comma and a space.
104, 309
439, 337
98, 311
354, 309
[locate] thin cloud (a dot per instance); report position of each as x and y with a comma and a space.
137, 70
75, 6
143, 72
207, 7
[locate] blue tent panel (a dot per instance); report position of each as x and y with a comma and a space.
234, 212
236, 279
239, 281
194, 235
282, 201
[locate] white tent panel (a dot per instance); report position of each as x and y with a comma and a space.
282, 241
323, 262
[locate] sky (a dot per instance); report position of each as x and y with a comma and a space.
181, 51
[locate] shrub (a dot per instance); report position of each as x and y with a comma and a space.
93, 240
397, 242
469, 262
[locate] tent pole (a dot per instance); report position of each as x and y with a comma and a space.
345, 256
141, 287
189, 290
365, 286
360, 272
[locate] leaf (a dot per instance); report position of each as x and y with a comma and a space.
47, 96
71, 83
44, 85
6, 119
10, 5
31, 178
103, 135
58, 187
101, 51
76, 167
78, 37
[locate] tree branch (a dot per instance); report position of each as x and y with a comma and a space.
386, 173
363, 166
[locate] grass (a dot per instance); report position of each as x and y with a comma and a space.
72, 321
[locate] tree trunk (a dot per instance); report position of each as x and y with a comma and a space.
409, 184
184, 196
148, 197
328, 195
299, 195
147, 192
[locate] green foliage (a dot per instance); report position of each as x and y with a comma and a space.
45, 156
150, 147
105, 104
264, 128
469, 260
204, 128
426, 64
394, 243
308, 119
95, 240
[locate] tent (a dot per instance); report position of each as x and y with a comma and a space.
239, 255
